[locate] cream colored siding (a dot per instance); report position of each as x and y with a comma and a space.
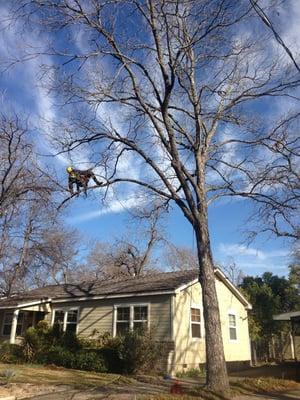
97, 316
190, 352
239, 349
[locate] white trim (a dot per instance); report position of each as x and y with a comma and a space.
14, 314
286, 316
24, 305
234, 290
232, 312
172, 316
65, 321
197, 306
186, 285
219, 274
131, 314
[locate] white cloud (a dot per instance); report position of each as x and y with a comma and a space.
253, 260
114, 207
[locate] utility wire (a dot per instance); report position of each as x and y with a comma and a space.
263, 16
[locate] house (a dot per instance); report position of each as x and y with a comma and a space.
290, 343
169, 302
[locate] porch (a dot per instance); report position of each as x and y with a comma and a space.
294, 319
15, 320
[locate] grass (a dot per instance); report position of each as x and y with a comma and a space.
245, 386
39, 375
262, 385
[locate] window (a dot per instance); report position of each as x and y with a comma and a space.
7, 323
195, 322
123, 320
130, 317
140, 317
232, 327
66, 319
71, 322
59, 317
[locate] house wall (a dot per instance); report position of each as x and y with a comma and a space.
96, 317
190, 352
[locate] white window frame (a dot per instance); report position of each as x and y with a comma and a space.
4, 324
65, 311
198, 306
232, 312
131, 315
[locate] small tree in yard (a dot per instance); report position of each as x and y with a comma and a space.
176, 87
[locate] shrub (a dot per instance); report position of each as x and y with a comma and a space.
7, 375
57, 355
32, 344
90, 361
60, 356
192, 373
139, 351
134, 352
11, 353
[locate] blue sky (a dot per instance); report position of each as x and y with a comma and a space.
22, 88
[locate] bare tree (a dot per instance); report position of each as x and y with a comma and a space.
27, 206
174, 84
56, 257
234, 273
178, 258
132, 254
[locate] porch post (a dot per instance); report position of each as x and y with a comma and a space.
293, 344
14, 327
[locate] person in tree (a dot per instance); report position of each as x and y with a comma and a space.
80, 179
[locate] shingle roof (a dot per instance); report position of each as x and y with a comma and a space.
158, 282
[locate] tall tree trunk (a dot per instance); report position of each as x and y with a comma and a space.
216, 372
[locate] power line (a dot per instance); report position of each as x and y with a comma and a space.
263, 16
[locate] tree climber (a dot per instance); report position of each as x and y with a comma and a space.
80, 179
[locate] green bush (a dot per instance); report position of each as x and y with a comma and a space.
192, 373
32, 344
139, 351
57, 355
86, 361
11, 353
90, 361
136, 351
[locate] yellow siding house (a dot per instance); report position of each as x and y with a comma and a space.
169, 303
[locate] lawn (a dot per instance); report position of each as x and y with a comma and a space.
144, 388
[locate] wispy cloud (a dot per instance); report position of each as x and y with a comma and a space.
114, 207
253, 260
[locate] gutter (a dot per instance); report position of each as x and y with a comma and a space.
24, 305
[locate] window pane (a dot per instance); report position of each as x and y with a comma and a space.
8, 318
232, 333
72, 316
123, 313
232, 320
59, 317
71, 327
195, 314
196, 331
6, 330
19, 330
140, 326
122, 328
140, 313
